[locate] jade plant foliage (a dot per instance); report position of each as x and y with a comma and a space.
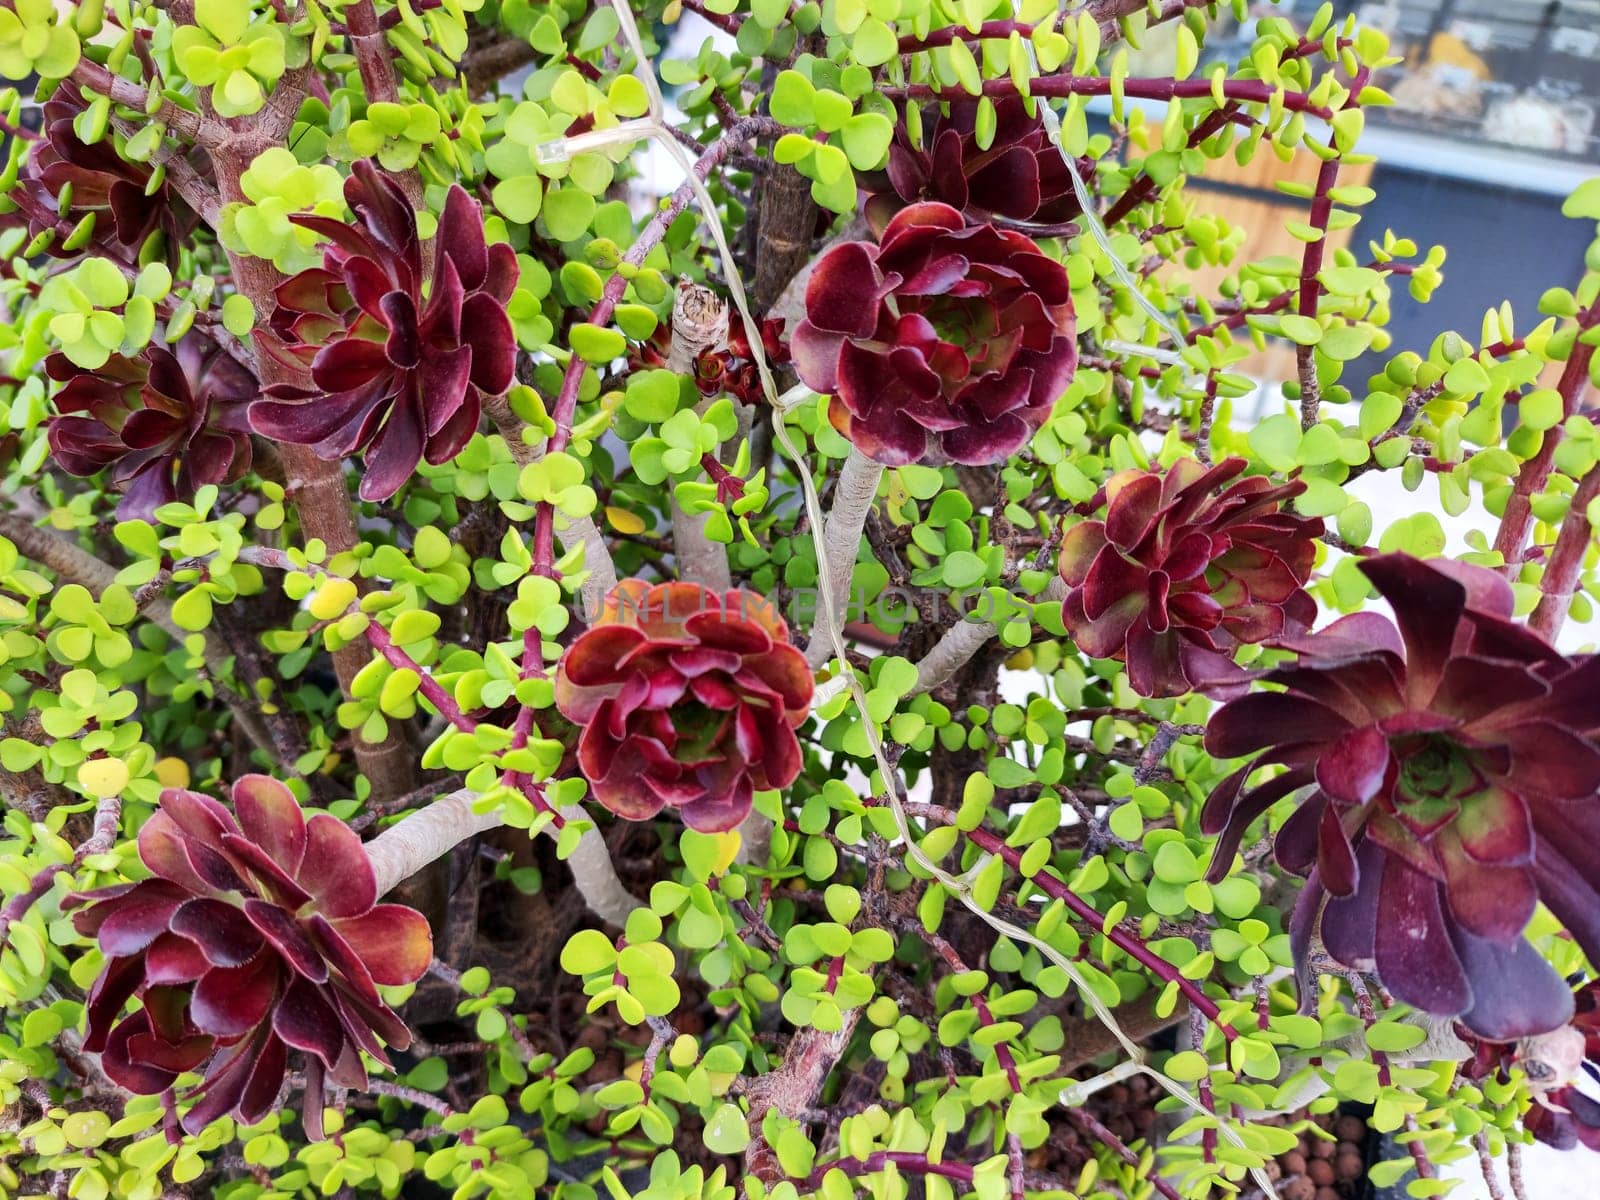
693, 600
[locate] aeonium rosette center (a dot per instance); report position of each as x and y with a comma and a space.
944, 342
1186, 565
688, 698
258, 935
1447, 787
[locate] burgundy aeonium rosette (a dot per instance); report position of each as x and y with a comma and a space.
1448, 788
1019, 177
688, 698
1186, 565
94, 178
944, 342
163, 423
260, 934
399, 357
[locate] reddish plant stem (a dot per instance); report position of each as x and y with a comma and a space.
1310, 290
1208, 1137
432, 691
905, 1160
1312, 258
375, 61
727, 22
1281, 301
911, 44
1245, 91
1560, 579
1128, 943
1144, 187
1518, 517
661, 1033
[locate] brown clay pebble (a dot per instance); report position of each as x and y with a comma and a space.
1322, 1149
1321, 1171
1350, 1129
1350, 1163
1272, 1170
1293, 1163
1299, 1188
1327, 1193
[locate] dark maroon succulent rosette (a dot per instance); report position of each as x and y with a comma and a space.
1021, 177
162, 424
259, 935
1446, 786
726, 370
1186, 565
687, 698
945, 342
395, 374
732, 369
102, 182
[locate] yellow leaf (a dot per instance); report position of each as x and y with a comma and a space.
727, 850
102, 777
624, 521
172, 772
331, 599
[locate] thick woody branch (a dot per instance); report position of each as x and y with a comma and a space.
316, 486
98, 79
960, 642
431, 832
404, 848
699, 322
852, 499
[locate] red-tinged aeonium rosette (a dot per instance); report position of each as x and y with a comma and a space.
162, 423
944, 342
1186, 565
1019, 176
399, 358
688, 698
1446, 787
65, 179
260, 934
